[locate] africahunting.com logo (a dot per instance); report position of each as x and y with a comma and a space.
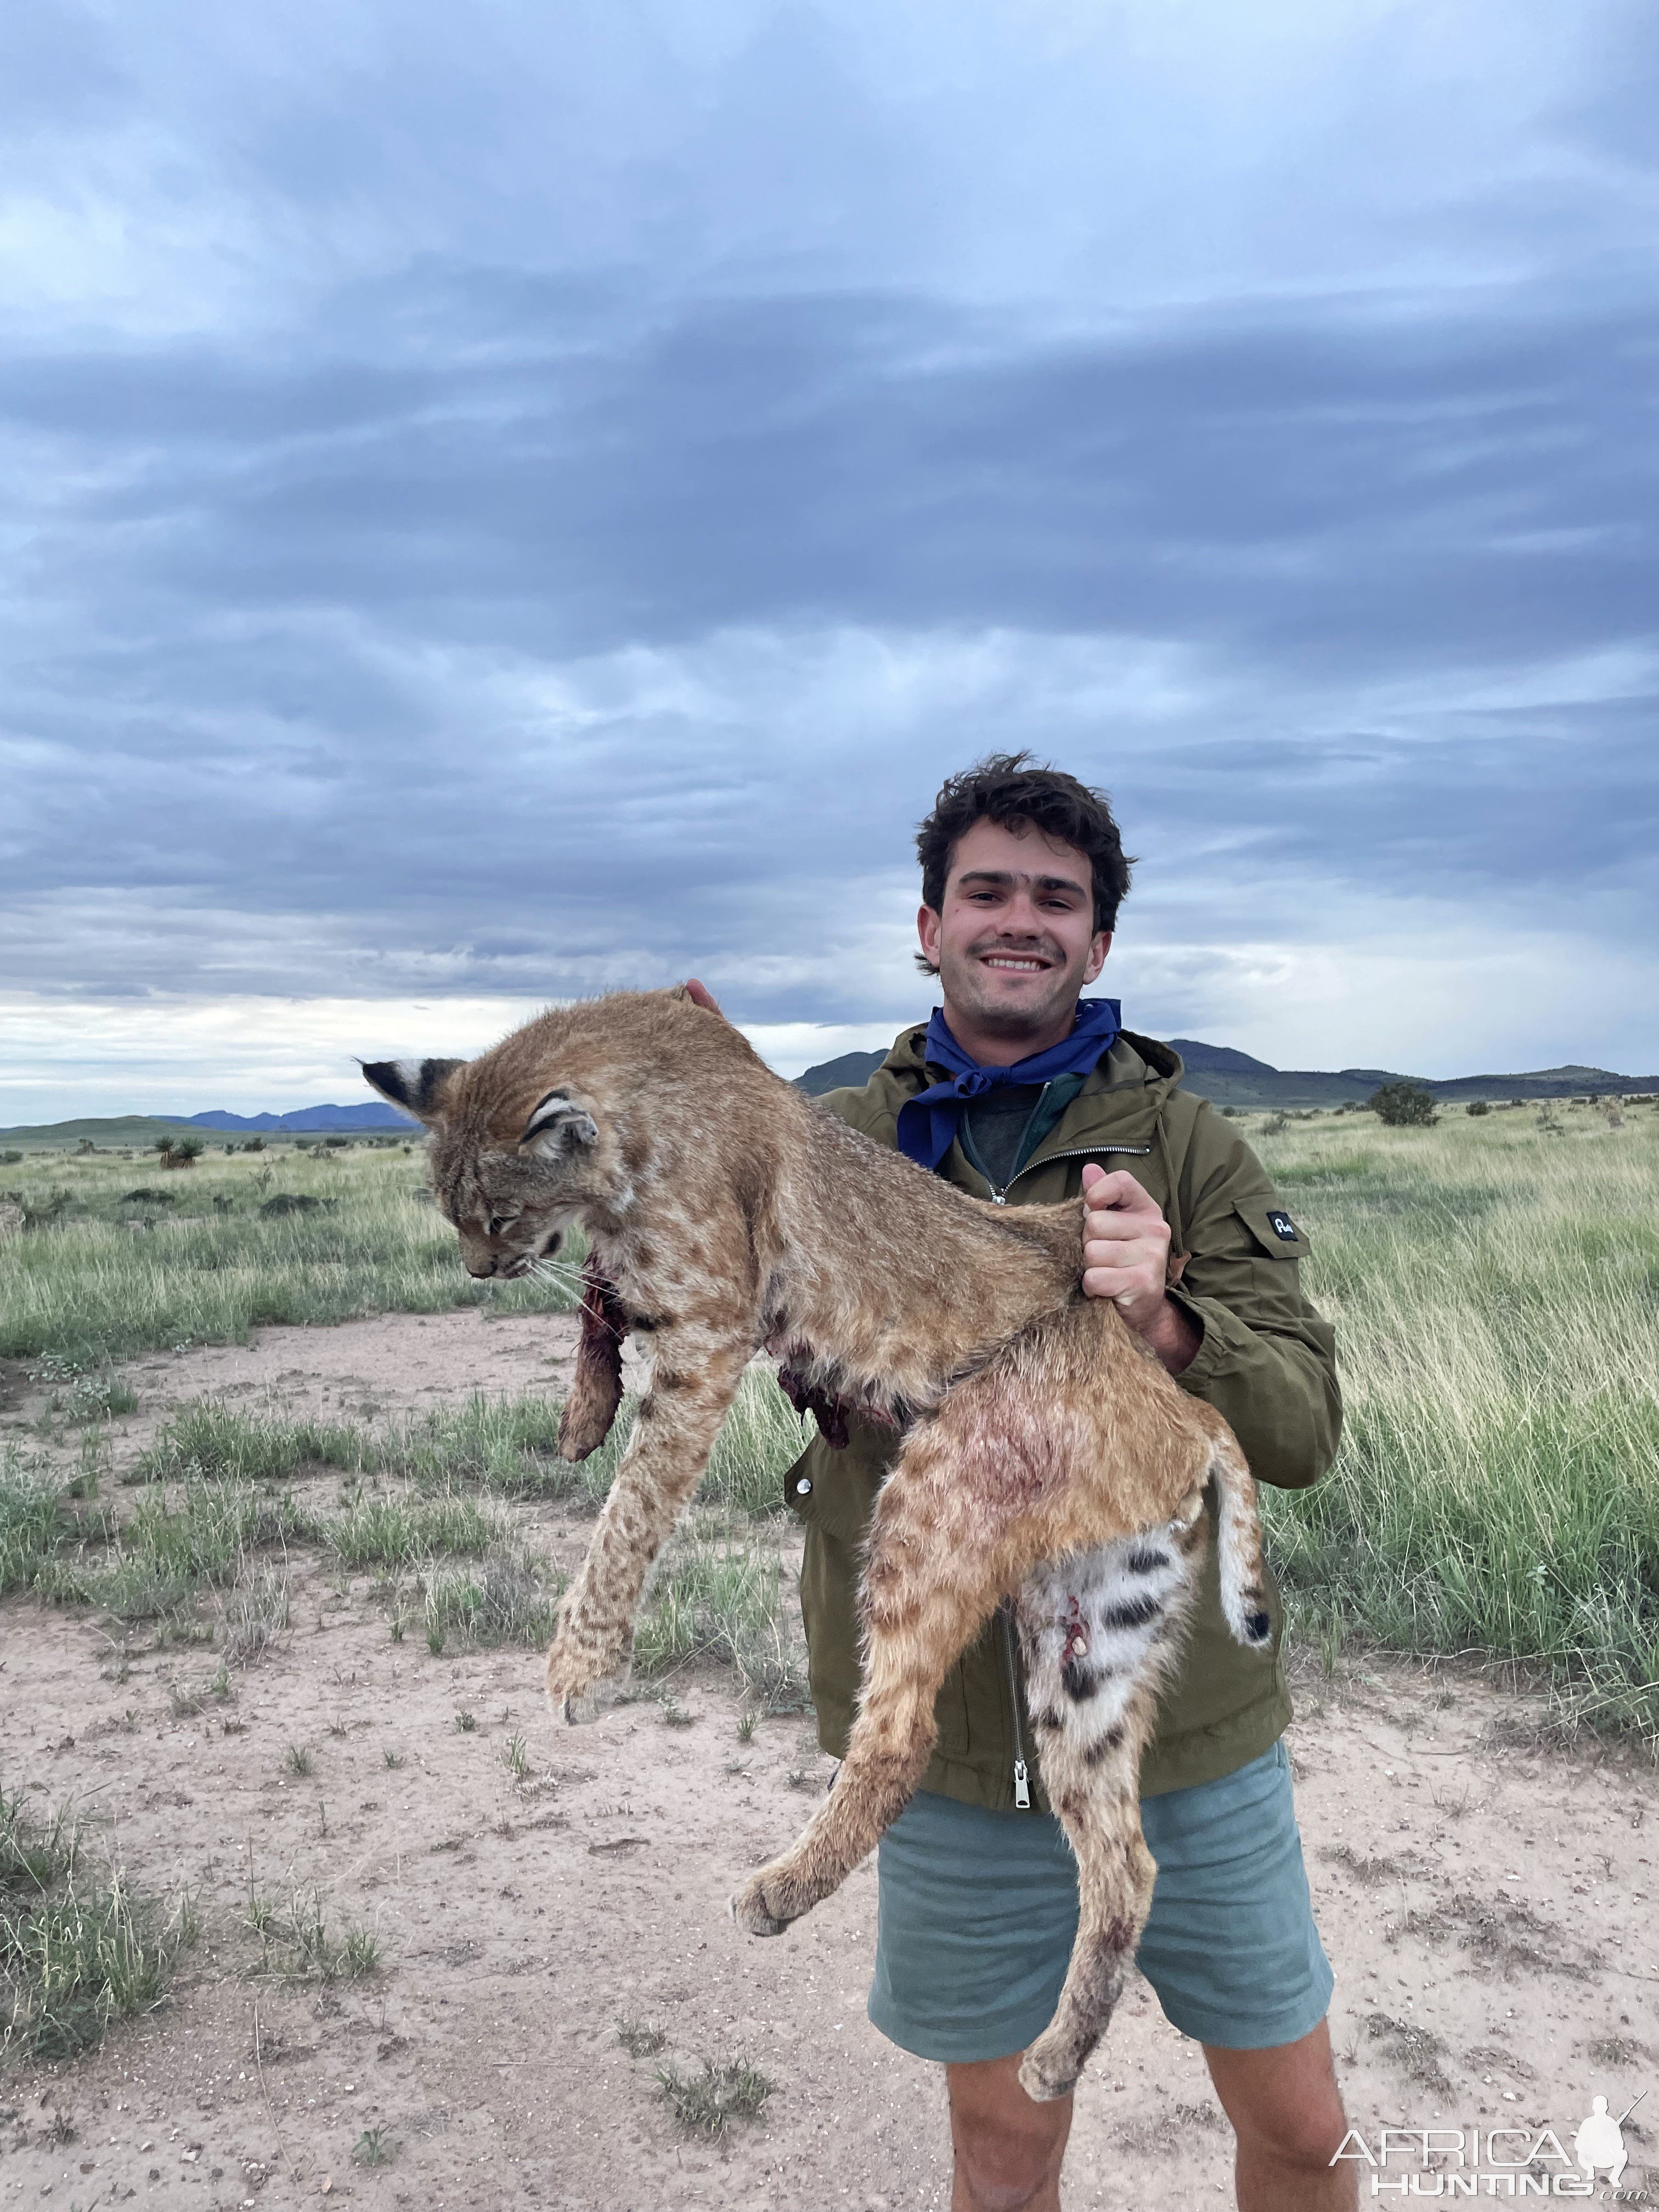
1454, 2162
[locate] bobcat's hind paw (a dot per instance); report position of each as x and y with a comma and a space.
760, 1907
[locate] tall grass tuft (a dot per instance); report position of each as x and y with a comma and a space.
720, 1595
77, 1949
32, 1524
162, 1555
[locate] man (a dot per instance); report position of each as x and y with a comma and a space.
1018, 1092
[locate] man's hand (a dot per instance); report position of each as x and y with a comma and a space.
1126, 1255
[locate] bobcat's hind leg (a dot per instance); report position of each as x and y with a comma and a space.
929, 1585
678, 1419
1099, 1809
1098, 1633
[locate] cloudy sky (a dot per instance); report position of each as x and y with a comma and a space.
509, 501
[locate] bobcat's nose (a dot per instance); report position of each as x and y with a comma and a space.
480, 1274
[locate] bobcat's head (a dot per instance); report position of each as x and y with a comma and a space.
510, 1182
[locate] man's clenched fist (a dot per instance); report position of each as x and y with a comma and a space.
1126, 1255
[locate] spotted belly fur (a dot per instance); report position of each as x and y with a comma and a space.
1100, 1625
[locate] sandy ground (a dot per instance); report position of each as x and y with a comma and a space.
1487, 1899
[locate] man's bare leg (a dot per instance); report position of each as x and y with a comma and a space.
1008, 2148
1286, 2112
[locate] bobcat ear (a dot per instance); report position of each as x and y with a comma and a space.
418, 1086
555, 1125
699, 994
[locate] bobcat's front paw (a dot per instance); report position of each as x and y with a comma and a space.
584, 1673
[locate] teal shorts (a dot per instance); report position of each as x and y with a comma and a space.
977, 1910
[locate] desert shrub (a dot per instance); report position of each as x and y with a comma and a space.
9, 1159
253, 1144
1477, 1107
1403, 1106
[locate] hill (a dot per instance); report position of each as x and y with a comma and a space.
128, 1132
1227, 1078
124, 1132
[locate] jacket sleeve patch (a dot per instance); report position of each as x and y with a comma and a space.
1272, 1228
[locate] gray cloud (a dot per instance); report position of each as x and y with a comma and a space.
483, 619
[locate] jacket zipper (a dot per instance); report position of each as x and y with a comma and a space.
1085, 1152
1022, 1773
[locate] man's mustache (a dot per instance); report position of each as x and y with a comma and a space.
1043, 949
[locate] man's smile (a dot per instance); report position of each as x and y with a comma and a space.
1021, 964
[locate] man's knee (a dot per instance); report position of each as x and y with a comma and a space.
1284, 2104
1008, 2148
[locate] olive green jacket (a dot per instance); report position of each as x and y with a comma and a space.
1266, 1361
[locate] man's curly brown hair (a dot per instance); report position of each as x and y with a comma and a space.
1010, 788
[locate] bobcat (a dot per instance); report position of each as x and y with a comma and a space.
1045, 1452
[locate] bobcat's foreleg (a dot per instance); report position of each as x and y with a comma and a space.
678, 1419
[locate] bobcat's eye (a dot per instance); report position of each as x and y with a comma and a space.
497, 1223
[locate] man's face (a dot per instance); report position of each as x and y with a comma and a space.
1014, 941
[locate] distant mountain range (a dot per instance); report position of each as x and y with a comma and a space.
1227, 1078
370, 1116
143, 1129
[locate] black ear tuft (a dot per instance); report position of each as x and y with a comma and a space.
417, 1086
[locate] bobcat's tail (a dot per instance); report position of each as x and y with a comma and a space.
1243, 1601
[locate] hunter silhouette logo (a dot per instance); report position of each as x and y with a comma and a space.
1599, 2141
1501, 2161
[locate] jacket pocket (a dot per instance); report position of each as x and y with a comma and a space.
835, 1491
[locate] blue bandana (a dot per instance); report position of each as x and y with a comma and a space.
927, 1122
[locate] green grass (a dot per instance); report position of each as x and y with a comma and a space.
297, 1945
32, 1525
510, 1597
1496, 1292
706, 2103
171, 1545
209, 1442
100, 1276
398, 1532
720, 1595
77, 1949
505, 1446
